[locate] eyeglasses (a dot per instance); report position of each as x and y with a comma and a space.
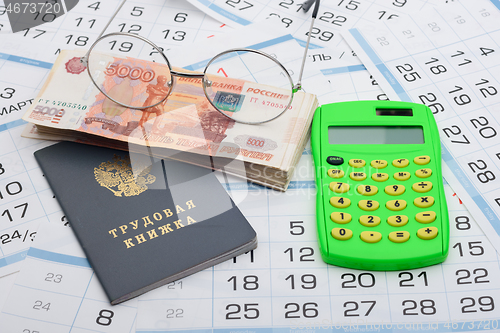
245, 85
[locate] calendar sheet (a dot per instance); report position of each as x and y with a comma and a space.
333, 16
59, 292
281, 286
449, 60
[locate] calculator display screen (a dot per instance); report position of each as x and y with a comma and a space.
356, 135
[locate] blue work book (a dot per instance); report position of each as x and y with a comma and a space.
143, 224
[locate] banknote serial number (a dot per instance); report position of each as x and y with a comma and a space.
64, 104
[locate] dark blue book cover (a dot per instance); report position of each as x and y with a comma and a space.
143, 223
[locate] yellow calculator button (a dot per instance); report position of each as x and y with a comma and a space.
341, 218
367, 189
380, 177
336, 173
426, 217
397, 220
395, 205
378, 164
370, 236
424, 202
339, 202
357, 175
399, 236
422, 160
400, 163
369, 220
402, 176
423, 173
395, 189
339, 187
357, 163
427, 233
341, 233
368, 205
422, 187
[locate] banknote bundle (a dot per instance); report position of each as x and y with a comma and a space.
184, 127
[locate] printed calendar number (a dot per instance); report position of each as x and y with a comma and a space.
349, 4
408, 73
8, 93
34, 32
247, 311
352, 308
248, 257
95, 5
426, 307
304, 254
137, 11
454, 132
482, 124
297, 228
285, 20
478, 168
288, 3
477, 275
324, 36
239, 4
77, 40
55, 278
408, 279
462, 223
19, 211
39, 305
18, 236
363, 280
430, 100
104, 318
249, 282
11, 189
481, 304
472, 248
305, 310
306, 281
174, 313
331, 18
131, 28
174, 285
89, 24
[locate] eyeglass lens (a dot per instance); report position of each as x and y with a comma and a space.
244, 85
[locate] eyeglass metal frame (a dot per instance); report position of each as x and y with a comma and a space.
206, 83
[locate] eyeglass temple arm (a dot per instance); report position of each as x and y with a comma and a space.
306, 6
85, 57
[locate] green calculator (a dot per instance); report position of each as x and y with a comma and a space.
380, 201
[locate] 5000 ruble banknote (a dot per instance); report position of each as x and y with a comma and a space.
185, 126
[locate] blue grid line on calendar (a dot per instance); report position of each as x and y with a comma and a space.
58, 257
344, 69
13, 258
25, 61
496, 3
12, 124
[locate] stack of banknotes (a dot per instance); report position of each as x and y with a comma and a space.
185, 127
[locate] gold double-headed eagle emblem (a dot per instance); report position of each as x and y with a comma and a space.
119, 178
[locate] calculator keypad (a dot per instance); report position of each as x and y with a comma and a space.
377, 210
